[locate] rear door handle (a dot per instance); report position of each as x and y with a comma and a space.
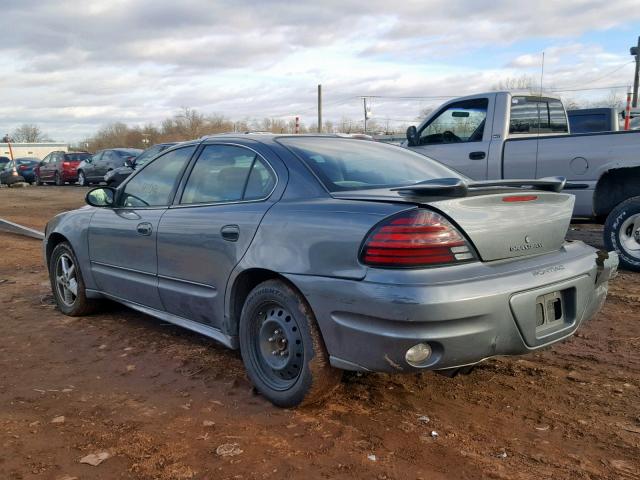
477, 155
144, 228
230, 233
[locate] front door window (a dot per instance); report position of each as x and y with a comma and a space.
459, 122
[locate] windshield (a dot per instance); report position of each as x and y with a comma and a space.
347, 164
131, 152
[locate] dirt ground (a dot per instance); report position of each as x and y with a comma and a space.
161, 400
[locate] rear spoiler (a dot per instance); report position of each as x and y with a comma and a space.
458, 187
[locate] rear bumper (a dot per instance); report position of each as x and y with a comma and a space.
465, 314
70, 175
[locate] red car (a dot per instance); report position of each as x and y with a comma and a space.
60, 167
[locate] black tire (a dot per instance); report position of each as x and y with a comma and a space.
622, 233
300, 375
37, 180
14, 179
75, 305
58, 179
82, 179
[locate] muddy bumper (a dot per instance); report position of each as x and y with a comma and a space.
462, 314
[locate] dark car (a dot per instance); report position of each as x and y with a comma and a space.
25, 167
3, 161
93, 169
117, 175
314, 253
59, 167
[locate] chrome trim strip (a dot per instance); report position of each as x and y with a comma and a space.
118, 267
181, 280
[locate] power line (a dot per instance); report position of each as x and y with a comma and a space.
618, 68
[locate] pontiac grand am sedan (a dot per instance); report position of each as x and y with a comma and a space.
316, 254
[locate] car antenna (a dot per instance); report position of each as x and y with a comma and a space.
538, 108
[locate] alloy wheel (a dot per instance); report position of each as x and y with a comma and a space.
66, 280
629, 236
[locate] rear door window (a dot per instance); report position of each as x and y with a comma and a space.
227, 173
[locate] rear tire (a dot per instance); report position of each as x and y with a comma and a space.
622, 233
58, 179
67, 283
282, 347
82, 180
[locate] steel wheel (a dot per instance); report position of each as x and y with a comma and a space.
277, 346
66, 280
629, 236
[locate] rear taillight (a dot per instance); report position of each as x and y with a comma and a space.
22, 167
66, 164
416, 238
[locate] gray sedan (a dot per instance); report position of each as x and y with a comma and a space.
316, 254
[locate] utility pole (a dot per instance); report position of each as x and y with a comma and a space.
636, 51
319, 108
364, 103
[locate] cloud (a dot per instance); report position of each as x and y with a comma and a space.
73, 65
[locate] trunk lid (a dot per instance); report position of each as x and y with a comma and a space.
500, 223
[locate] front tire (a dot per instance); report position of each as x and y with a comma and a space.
622, 233
38, 182
82, 180
67, 283
58, 179
282, 347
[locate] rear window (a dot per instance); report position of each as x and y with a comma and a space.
533, 115
346, 164
76, 157
127, 153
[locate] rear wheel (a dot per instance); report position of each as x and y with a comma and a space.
282, 347
58, 179
67, 283
622, 233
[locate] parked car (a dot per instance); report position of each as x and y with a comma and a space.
593, 120
317, 253
501, 135
116, 176
94, 168
59, 167
4, 161
25, 168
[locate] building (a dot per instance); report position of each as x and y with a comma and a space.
37, 150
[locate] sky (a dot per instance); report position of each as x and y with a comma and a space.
73, 66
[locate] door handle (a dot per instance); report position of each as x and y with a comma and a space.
230, 233
477, 155
144, 228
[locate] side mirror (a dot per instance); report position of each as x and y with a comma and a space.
412, 136
101, 197
130, 162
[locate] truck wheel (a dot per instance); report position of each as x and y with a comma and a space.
282, 348
622, 233
67, 283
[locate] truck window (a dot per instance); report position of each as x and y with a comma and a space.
592, 122
458, 122
533, 115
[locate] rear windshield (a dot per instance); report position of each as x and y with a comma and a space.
76, 157
346, 164
127, 153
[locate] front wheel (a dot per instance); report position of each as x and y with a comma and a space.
622, 233
58, 179
82, 180
67, 283
38, 181
282, 347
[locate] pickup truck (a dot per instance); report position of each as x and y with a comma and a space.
521, 135
593, 120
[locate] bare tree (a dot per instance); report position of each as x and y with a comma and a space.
523, 82
29, 133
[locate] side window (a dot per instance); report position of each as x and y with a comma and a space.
222, 174
153, 185
46, 159
459, 122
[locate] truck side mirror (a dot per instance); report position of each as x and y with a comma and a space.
412, 136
